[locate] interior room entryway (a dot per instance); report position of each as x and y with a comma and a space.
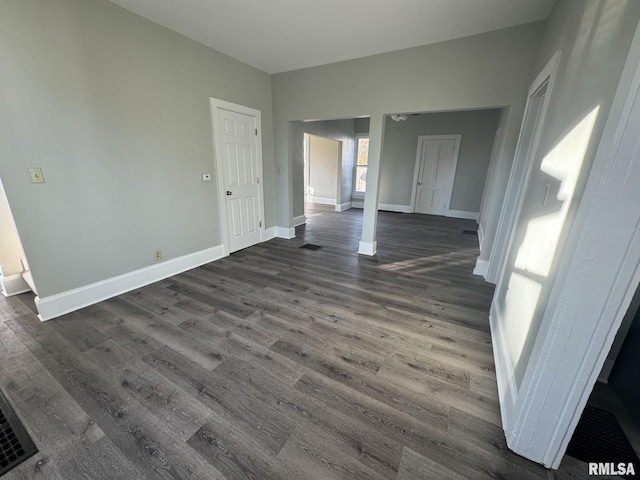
321, 169
239, 170
15, 275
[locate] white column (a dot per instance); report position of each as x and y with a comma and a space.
368, 242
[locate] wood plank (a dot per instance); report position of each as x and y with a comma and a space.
225, 397
414, 466
57, 424
325, 456
140, 437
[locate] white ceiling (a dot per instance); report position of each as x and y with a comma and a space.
281, 35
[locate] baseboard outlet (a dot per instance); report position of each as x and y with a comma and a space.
343, 206
286, 232
300, 220
322, 200
462, 214
482, 267
368, 248
505, 373
14, 285
66, 302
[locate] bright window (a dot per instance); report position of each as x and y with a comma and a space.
362, 158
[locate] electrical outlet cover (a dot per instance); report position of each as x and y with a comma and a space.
35, 174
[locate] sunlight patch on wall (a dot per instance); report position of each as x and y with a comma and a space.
564, 164
548, 199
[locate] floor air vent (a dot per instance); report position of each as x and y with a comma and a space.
15, 444
310, 246
599, 438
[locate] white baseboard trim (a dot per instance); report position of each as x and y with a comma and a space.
482, 267
461, 214
14, 285
300, 220
505, 373
343, 206
61, 303
368, 248
286, 232
390, 207
387, 207
603, 377
269, 234
322, 200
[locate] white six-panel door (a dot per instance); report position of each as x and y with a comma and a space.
240, 178
436, 167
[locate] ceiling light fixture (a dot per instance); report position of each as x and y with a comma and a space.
399, 118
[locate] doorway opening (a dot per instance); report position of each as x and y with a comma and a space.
15, 274
322, 170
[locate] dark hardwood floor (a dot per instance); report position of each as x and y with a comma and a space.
276, 362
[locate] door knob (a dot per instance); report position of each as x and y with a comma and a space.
229, 193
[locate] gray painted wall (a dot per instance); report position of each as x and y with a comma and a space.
483, 71
341, 130
591, 36
400, 148
115, 109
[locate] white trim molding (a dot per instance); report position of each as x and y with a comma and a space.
368, 248
299, 220
14, 285
505, 372
342, 207
386, 207
461, 214
390, 207
280, 232
321, 200
270, 233
285, 232
521, 168
481, 238
65, 302
481, 268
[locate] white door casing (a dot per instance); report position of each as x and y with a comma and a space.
239, 171
436, 162
533, 119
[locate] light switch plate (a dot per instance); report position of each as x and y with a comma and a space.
35, 174
206, 177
